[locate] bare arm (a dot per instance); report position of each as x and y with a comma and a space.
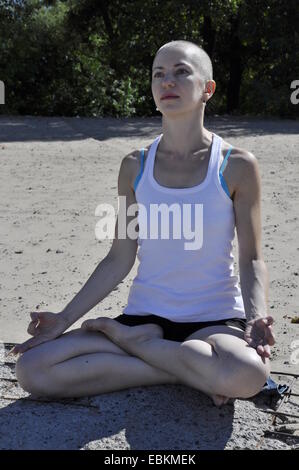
46, 326
107, 275
253, 271
118, 262
254, 281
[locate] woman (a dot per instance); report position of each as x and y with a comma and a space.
186, 321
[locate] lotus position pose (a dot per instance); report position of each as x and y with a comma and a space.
186, 321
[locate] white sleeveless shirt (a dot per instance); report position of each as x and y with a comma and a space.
187, 276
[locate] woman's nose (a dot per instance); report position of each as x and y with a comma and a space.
168, 79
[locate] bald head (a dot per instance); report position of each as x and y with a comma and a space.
199, 56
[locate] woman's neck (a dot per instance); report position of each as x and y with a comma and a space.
184, 135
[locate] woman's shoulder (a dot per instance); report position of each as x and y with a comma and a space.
237, 152
132, 163
239, 158
240, 164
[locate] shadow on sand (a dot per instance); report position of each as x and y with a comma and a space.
30, 128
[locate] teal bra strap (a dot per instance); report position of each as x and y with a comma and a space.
225, 160
222, 180
141, 169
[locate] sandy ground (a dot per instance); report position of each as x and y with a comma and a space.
54, 172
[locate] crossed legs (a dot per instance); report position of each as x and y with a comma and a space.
83, 363
215, 360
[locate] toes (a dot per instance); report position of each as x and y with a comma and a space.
94, 325
155, 329
219, 400
86, 325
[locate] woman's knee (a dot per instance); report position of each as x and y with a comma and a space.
28, 373
36, 381
33, 372
40, 357
244, 377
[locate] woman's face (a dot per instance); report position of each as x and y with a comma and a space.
176, 72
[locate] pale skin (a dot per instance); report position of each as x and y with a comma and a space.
103, 355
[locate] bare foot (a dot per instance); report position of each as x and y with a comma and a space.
123, 335
219, 400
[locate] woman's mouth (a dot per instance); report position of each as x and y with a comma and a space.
169, 97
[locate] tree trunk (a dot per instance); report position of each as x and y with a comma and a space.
113, 39
235, 68
208, 34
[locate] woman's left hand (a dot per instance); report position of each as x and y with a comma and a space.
259, 335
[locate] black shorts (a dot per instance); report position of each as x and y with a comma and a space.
176, 331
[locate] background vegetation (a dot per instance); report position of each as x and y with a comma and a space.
94, 57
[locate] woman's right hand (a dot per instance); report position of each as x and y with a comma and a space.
44, 326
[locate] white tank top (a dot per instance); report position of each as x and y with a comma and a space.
186, 277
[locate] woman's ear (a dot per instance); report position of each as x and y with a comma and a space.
209, 90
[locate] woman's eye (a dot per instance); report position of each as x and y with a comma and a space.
178, 72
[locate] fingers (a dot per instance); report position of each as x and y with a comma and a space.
35, 316
263, 350
260, 350
248, 340
34, 323
17, 349
267, 350
270, 336
247, 335
12, 351
32, 328
268, 320
30, 343
261, 337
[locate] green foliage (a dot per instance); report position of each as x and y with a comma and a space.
94, 58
